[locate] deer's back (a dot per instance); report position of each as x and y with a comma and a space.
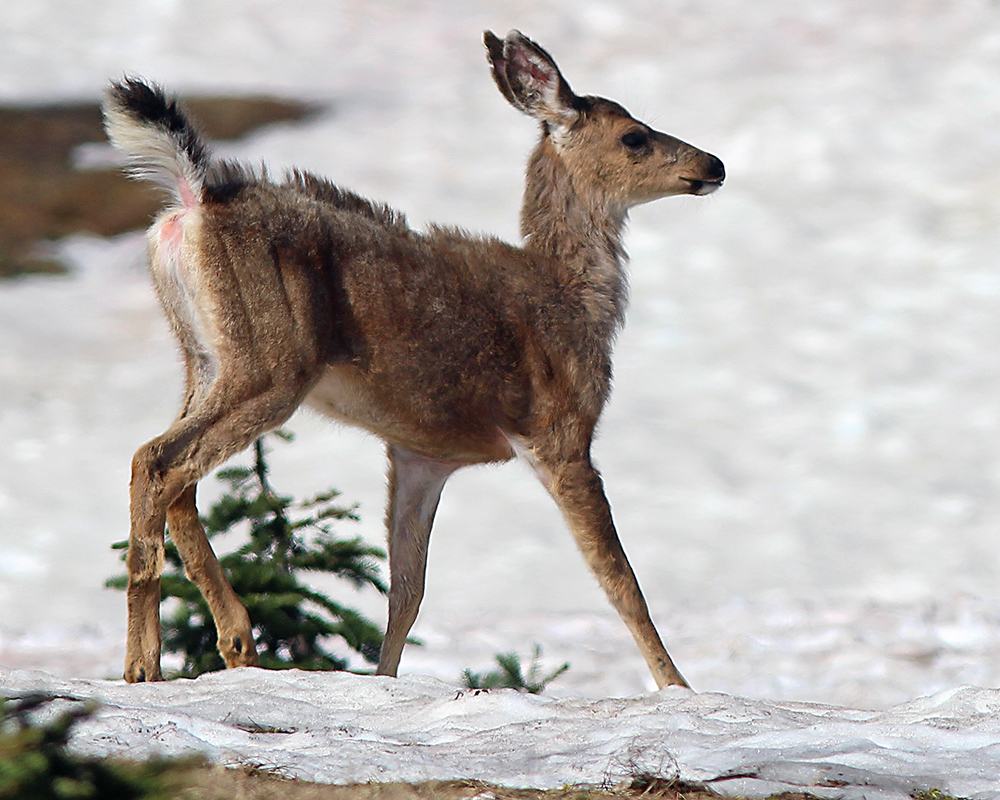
442, 342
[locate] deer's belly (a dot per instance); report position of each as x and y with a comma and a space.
343, 394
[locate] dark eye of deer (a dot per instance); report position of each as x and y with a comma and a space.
635, 140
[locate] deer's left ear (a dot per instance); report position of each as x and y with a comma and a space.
530, 80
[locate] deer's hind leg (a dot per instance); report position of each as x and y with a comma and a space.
164, 474
236, 392
232, 623
144, 564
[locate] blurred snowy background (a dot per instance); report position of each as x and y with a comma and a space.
803, 446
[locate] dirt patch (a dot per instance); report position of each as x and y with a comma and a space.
43, 197
219, 783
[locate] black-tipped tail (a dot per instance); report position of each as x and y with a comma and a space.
161, 142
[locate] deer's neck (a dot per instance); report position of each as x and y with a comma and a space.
581, 234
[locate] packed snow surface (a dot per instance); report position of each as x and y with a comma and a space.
803, 446
341, 728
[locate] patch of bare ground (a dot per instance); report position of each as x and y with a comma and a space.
43, 197
220, 783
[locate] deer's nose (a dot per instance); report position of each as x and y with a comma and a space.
715, 170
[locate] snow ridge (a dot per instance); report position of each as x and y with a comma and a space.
345, 728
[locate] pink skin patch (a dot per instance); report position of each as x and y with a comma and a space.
538, 71
188, 198
172, 230
540, 74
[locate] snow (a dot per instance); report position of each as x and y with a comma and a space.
342, 728
803, 446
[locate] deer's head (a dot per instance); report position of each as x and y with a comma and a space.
611, 157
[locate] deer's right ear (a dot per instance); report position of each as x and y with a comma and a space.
530, 80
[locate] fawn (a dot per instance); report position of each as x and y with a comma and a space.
453, 349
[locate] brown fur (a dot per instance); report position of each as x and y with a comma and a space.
453, 349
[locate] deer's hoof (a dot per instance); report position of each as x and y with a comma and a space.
137, 673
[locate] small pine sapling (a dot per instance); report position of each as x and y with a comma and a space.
511, 674
291, 621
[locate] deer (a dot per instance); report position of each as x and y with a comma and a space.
453, 349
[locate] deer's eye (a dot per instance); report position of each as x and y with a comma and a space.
635, 140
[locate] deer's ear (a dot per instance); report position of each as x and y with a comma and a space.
530, 80
498, 64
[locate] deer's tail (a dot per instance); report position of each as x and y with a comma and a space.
161, 143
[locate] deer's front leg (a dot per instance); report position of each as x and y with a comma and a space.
415, 484
577, 488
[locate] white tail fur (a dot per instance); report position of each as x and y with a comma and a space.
160, 142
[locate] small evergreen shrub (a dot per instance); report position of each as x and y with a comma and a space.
292, 623
511, 674
35, 763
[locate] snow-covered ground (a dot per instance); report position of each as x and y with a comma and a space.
343, 728
803, 447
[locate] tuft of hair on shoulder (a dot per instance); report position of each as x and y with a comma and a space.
227, 178
325, 191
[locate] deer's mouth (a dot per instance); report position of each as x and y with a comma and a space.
700, 187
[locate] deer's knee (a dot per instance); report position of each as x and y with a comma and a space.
147, 464
149, 467
160, 473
